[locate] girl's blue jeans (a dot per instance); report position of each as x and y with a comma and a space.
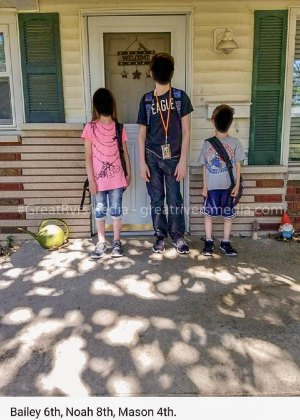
111, 199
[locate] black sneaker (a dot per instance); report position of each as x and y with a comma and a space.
99, 250
181, 246
117, 249
159, 245
227, 249
208, 248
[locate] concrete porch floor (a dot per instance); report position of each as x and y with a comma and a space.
149, 324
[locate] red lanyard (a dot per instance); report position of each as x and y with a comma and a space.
165, 124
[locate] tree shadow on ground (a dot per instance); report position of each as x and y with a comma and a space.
149, 324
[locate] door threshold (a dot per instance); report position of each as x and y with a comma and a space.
127, 234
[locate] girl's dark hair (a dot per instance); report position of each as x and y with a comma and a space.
222, 117
104, 104
162, 68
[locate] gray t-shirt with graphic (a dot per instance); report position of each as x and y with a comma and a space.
217, 175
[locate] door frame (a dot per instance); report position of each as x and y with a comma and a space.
188, 12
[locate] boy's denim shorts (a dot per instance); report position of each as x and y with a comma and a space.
111, 199
219, 203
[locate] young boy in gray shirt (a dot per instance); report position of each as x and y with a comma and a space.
219, 197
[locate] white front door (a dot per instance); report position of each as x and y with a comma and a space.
107, 36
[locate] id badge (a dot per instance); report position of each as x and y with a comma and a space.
166, 151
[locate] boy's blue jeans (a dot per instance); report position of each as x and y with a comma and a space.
163, 185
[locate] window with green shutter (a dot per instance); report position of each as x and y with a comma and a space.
294, 150
41, 67
268, 79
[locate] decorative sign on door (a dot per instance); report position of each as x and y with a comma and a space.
133, 58
139, 57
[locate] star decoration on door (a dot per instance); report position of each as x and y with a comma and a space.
136, 74
124, 74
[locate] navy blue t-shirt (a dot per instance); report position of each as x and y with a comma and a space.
155, 131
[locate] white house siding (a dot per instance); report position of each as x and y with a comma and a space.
216, 77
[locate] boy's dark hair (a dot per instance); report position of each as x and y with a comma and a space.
104, 104
222, 117
162, 68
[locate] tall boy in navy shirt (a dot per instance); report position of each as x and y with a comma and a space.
164, 137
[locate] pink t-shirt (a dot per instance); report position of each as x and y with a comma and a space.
107, 164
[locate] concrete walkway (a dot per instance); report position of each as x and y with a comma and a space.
149, 324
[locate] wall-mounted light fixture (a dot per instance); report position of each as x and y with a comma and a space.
223, 41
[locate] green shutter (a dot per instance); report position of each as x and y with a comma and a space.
268, 87
41, 67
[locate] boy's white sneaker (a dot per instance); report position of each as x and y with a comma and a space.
228, 250
181, 246
208, 248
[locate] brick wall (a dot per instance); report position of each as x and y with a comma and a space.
8, 206
41, 176
293, 202
263, 200
266, 199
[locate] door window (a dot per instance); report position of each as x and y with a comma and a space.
127, 75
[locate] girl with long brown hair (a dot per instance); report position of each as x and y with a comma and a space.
108, 168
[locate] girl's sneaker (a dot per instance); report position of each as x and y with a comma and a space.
99, 250
228, 250
208, 248
117, 249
